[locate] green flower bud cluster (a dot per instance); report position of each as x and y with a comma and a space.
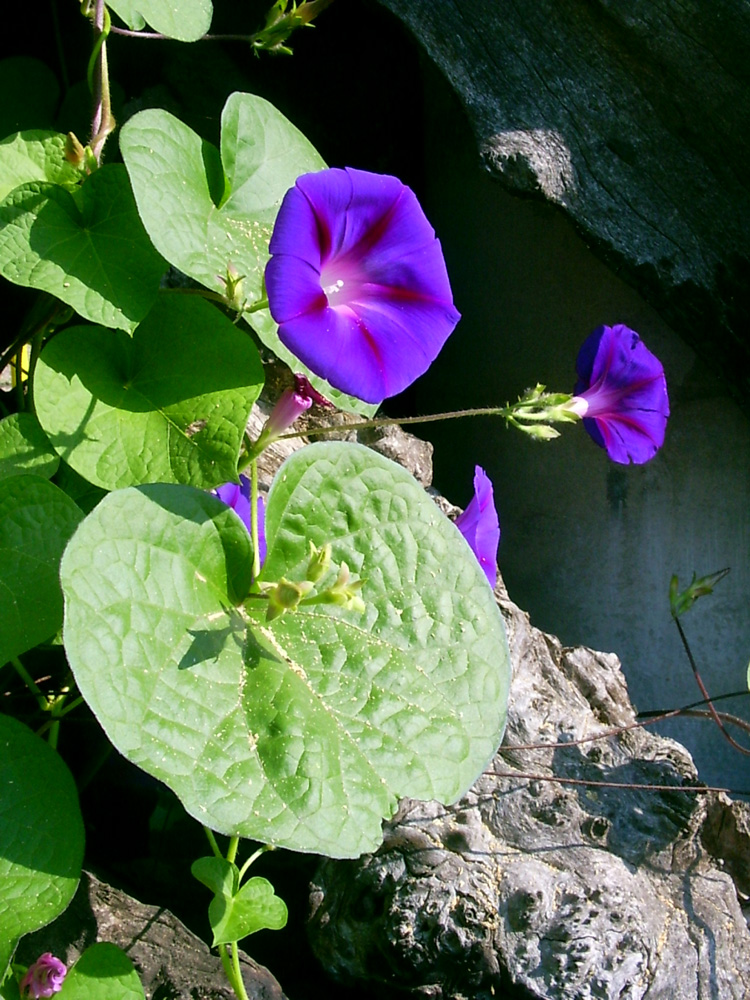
537, 409
283, 19
288, 595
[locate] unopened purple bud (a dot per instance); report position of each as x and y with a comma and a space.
292, 404
44, 978
480, 526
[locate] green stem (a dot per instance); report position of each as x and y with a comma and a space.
254, 857
204, 293
103, 121
212, 842
36, 348
26, 335
29, 682
483, 411
69, 708
254, 518
228, 970
234, 843
239, 983
255, 306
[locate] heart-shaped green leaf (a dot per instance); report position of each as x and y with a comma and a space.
205, 211
103, 972
302, 732
169, 404
24, 447
41, 835
35, 156
36, 521
87, 248
185, 20
217, 874
254, 908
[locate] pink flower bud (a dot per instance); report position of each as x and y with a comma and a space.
44, 978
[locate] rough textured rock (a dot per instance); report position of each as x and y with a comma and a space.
173, 964
634, 117
531, 887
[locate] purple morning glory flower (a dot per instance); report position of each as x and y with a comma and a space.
480, 526
357, 282
237, 496
44, 977
621, 394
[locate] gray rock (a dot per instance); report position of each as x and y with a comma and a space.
633, 116
540, 882
172, 963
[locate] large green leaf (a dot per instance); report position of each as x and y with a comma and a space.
305, 731
36, 521
185, 20
41, 835
35, 156
88, 247
169, 404
205, 211
103, 972
24, 447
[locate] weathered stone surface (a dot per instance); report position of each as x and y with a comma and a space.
634, 117
531, 887
173, 964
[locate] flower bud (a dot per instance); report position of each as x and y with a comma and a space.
345, 592
233, 287
285, 596
540, 432
44, 977
320, 562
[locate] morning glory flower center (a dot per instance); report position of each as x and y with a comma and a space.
335, 287
602, 399
341, 281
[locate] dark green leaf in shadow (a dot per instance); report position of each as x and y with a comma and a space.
41, 835
36, 521
24, 447
88, 248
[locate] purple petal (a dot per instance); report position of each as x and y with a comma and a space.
357, 282
480, 526
625, 390
237, 496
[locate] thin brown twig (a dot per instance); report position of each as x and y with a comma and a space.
704, 692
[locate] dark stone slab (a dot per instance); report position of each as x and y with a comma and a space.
173, 964
633, 116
